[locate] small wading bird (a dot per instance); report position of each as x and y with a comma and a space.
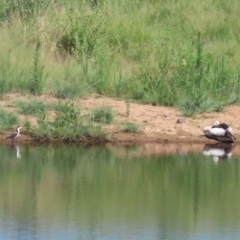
14, 135
220, 132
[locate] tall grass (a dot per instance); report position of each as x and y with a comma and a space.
7, 120
176, 53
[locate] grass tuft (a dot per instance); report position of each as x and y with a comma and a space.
130, 127
102, 115
7, 120
35, 108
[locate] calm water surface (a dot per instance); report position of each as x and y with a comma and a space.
75, 192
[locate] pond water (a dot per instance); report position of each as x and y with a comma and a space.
119, 192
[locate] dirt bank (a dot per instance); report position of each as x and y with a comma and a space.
157, 123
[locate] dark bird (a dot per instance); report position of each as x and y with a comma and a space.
220, 132
14, 135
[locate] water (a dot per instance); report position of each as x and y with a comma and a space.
134, 192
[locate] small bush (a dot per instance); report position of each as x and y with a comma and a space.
67, 115
7, 120
102, 115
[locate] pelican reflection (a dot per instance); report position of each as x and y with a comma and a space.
218, 151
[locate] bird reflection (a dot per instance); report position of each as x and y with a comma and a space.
218, 151
16, 149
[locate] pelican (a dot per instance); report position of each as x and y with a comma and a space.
220, 132
15, 134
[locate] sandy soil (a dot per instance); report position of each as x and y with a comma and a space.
157, 123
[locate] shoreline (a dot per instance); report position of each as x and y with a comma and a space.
157, 124
124, 138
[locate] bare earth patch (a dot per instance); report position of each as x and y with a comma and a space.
157, 123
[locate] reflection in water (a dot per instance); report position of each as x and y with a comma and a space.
75, 192
16, 149
218, 151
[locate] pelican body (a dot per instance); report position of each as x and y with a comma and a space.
220, 132
15, 134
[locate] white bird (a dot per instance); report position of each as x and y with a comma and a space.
14, 135
220, 132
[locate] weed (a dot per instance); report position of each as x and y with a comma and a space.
102, 115
7, 120
130, 127
37, 75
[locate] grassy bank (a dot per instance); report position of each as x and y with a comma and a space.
58, 121
175, 53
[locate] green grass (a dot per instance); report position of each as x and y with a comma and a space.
35, 108
175, 53
7, 120
102, 115
70, 88
130, 127
68, 125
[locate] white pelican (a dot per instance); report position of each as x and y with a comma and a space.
220, 132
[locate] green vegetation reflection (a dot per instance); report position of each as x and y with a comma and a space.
101, 185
